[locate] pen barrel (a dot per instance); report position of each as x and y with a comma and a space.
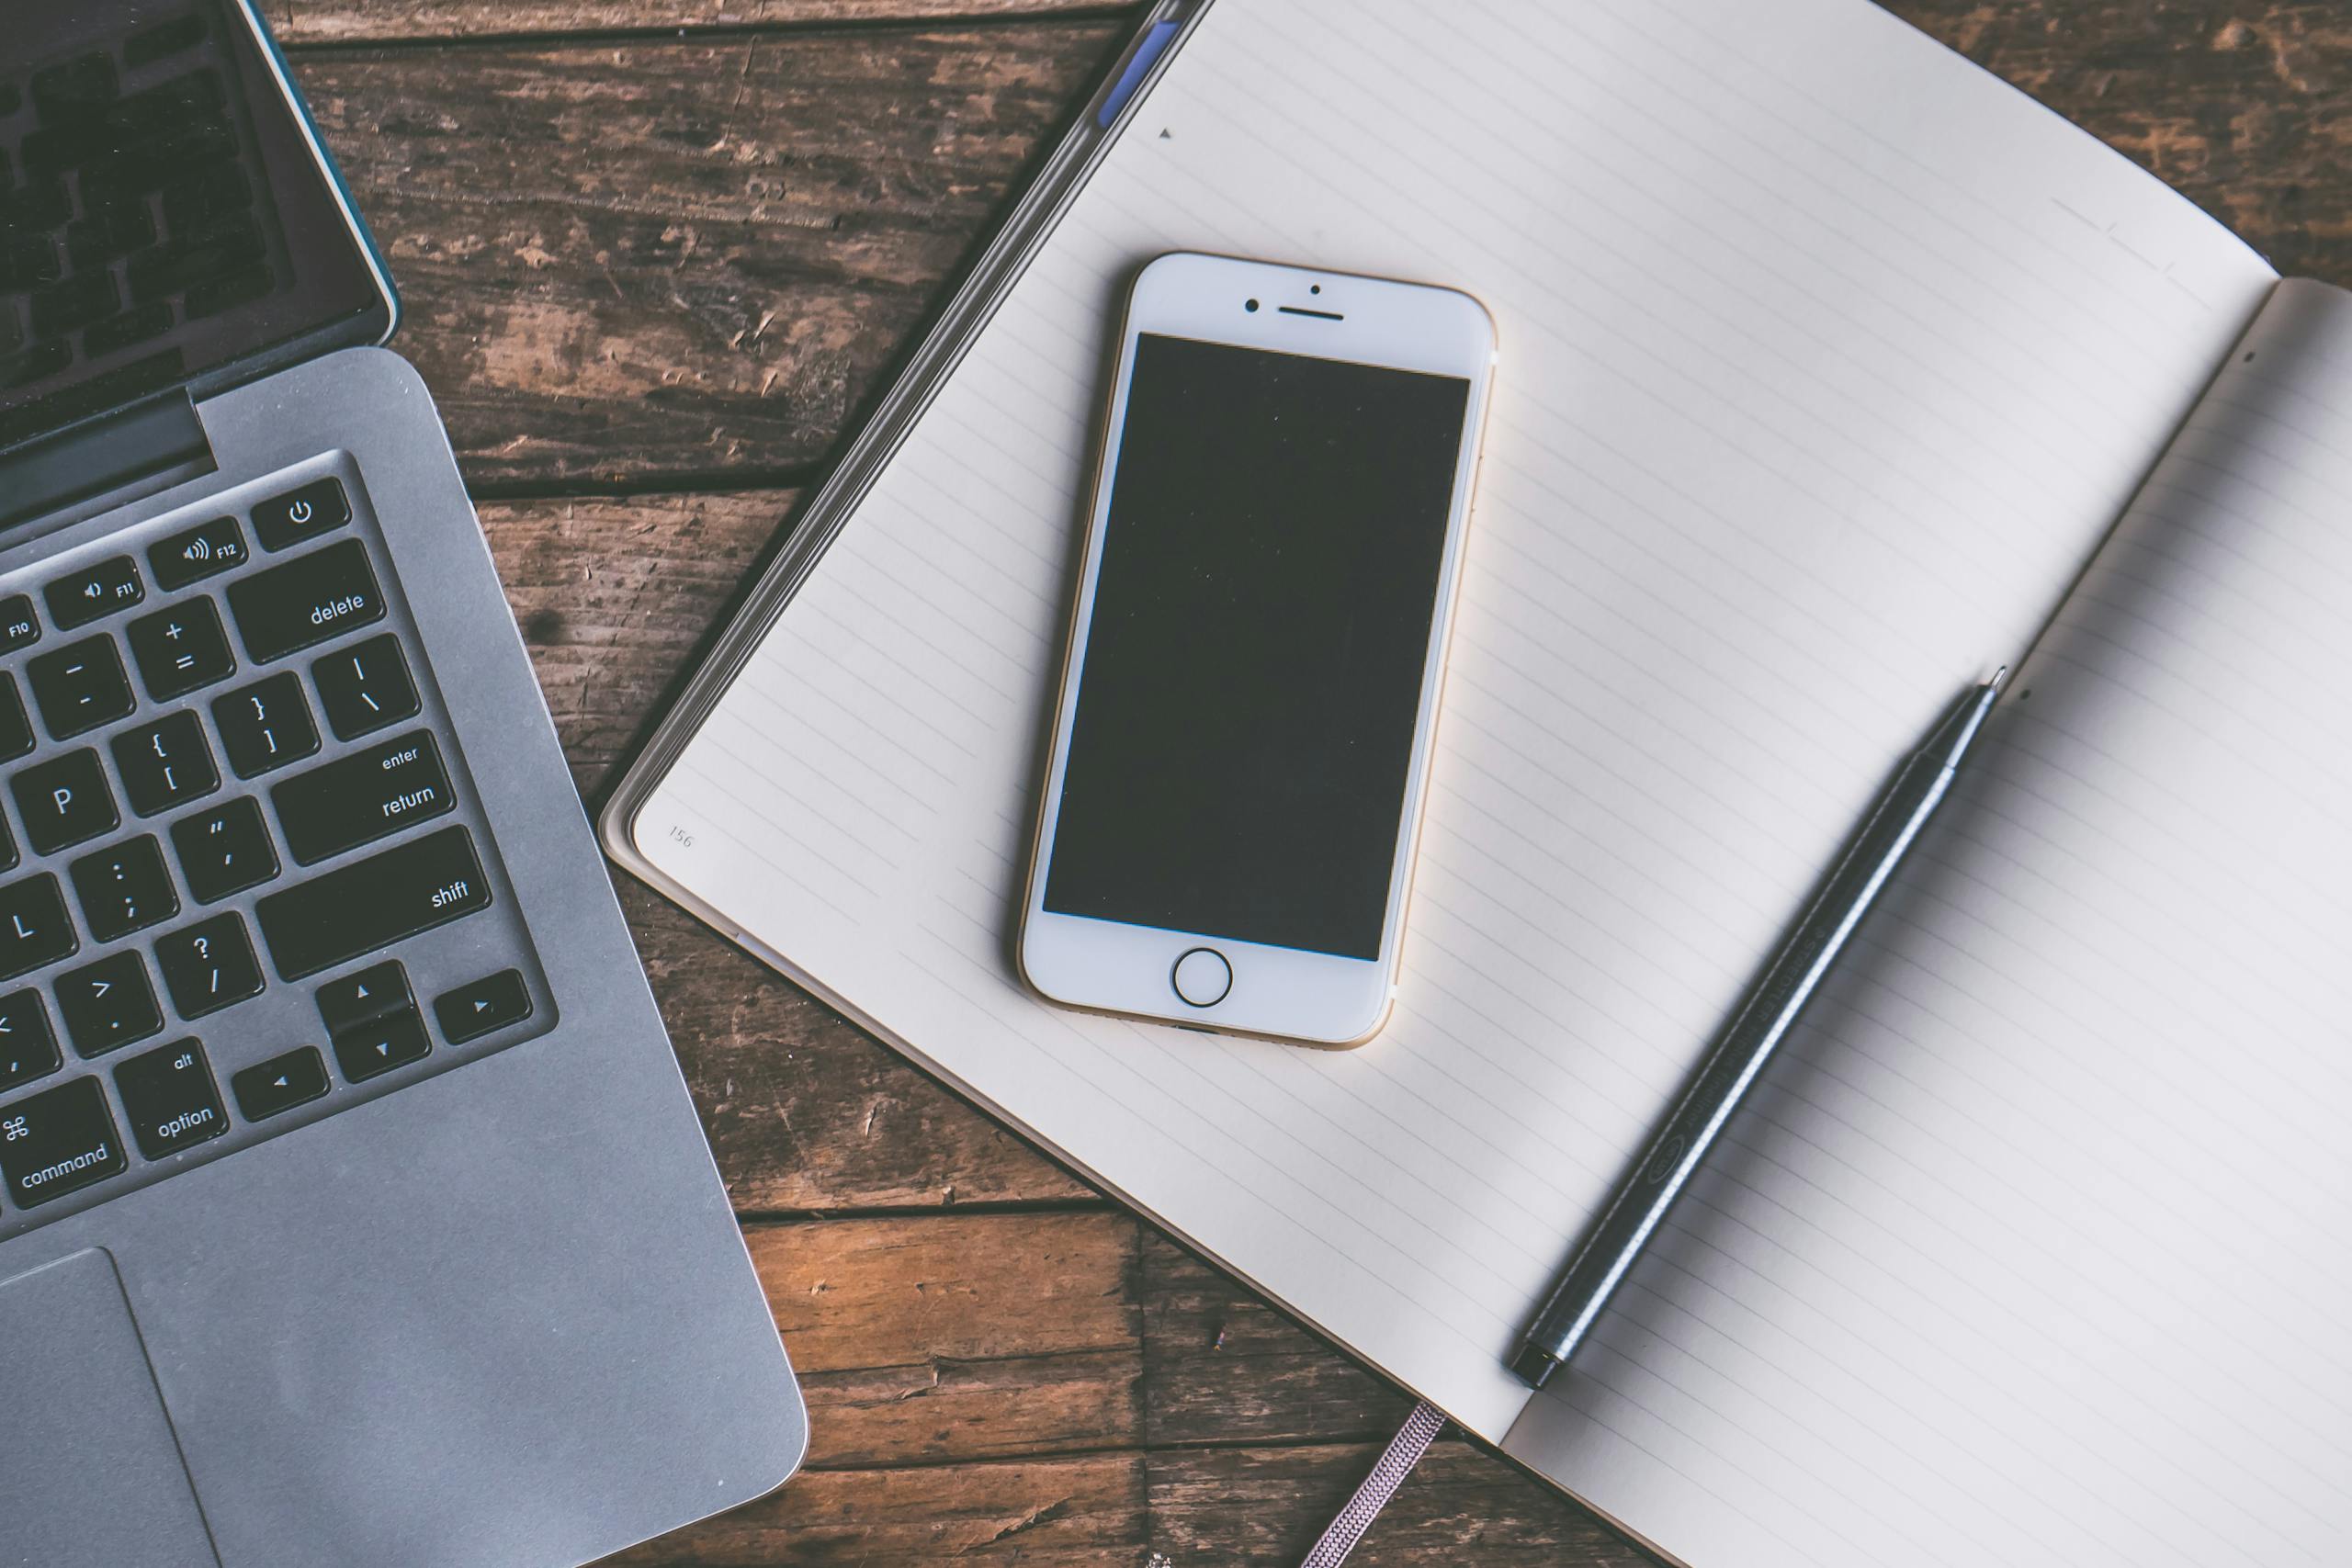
1763, 1020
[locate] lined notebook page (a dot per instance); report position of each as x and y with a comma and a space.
1826, 361
2032, 1248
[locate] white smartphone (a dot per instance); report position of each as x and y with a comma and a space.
1243, 737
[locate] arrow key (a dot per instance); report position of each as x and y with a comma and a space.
281, 1083
472, 1011
366, 994
381, 1044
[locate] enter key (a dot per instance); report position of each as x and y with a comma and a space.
363, 796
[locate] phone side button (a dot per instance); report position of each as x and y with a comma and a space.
1202, 977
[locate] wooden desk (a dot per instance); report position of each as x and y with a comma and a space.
658, 255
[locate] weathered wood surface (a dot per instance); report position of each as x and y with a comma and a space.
412, 21
657, 254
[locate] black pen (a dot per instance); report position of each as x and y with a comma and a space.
1788, 982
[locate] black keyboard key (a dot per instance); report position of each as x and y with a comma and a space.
164, 41
169, 1098
109, 1004
306, 600
70, 306
281, 1083
110, 231
27, 1045
12, 326
58, 1141
227, 291
27, 260
371, 1049
194, 553
16, 725
207, 195
99, 589
8, 856
38, 205
80, 686
34, 928
488, 1005
18, 627
362, 797
224, 851
317, 509
78, 89
64, 801
373, 903
124, 888
180, 649
165, 763
365, 687
363, 995
35, 364
115, 333
266, 725
209, 965
197, 256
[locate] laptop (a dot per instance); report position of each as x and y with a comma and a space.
352, 1209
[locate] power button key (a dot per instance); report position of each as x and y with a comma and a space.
317, 509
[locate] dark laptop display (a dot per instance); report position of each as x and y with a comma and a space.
162, 219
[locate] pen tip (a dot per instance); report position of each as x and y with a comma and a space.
2000, 678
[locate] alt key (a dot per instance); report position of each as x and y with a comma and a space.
169, 1098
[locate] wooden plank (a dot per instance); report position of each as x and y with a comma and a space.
1226, 1366
301, 22
647, 259
923, 1339
616, 596
808, 1114
1084, 1511
1464, 1505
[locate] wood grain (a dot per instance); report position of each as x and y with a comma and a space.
1081, 1511
925, 1339
640, 262
658, 253
300, 22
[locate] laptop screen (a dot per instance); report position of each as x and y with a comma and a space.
163, 220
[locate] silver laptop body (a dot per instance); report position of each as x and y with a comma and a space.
352, 1209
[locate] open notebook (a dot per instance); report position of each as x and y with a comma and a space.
1833, 373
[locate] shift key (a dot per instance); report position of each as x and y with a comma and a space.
305, 601
373, 903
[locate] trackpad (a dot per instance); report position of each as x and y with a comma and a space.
90, 1476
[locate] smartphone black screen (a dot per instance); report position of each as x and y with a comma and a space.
1269, 566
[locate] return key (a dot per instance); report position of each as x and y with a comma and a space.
361, 797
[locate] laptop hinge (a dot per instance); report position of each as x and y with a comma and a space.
159, 441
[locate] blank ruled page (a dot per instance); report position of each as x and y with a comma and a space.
2032, 1247
1826, 360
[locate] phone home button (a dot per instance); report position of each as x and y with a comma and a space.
1201, 977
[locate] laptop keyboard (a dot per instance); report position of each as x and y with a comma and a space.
124, 206
244, 880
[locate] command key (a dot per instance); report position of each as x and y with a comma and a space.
57, 1142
